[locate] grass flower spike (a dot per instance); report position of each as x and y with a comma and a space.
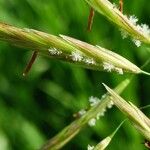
105, 59
67, 49
140, 121
127, 25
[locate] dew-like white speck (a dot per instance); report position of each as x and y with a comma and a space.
93, 100
124, 33
103, 96
145, 29
115, 6
133, 19
137, 42
54, 51
89, 61
110, 104
90, 147
108, 67
119, 70
92, 122
103, 111
76, 56
101, 114
82, 112
27, 30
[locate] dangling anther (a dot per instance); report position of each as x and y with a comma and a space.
90, 19
121, 5
29, 65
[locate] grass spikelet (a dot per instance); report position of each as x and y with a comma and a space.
109, 60
67, 49
128, 25
140, 121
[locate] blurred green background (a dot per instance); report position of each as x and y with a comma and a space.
35, 108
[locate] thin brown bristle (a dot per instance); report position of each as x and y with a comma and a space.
90, 19
29, 65
121, 5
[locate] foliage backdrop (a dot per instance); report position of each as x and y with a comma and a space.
35, 108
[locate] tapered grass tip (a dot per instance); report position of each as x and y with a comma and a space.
106, 87
146, 73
